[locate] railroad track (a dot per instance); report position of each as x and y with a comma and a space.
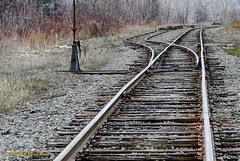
160, 114
225, 115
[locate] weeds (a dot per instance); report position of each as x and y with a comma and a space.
28, 66
231, 34
237, 24
27, 70
234, 51
12, 94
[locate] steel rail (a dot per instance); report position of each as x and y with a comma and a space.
208, 136
80, 141
145, 47
191, 52
142, 34
127, 40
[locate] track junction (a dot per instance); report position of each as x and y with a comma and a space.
162, 113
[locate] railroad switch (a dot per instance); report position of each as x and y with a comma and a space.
74, 67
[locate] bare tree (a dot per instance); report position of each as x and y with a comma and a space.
100, 16
200, 14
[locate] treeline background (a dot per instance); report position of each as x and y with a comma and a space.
97, 17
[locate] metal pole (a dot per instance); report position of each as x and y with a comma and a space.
74, 21
74, 67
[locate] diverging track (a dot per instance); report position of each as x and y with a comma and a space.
155, 116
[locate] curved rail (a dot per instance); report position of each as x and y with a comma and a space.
208, 136
184, 48
79, 142
127, 40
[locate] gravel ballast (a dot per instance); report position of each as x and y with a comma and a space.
28, 129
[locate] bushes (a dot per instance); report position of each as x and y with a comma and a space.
98, 17
19, 18
22, 18
237, 24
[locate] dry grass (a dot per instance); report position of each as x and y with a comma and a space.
25, 74
237, 24
28, 66
96, 52
232, 35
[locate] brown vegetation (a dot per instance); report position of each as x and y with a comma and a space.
97, 17
237, 24
32, 31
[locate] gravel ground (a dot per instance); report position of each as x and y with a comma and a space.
29, 129
225, 109
166, 37
231, 74
24, 130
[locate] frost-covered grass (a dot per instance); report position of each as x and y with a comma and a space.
27, 67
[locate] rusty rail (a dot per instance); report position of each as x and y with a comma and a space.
80, 141
190, 51
148, 48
